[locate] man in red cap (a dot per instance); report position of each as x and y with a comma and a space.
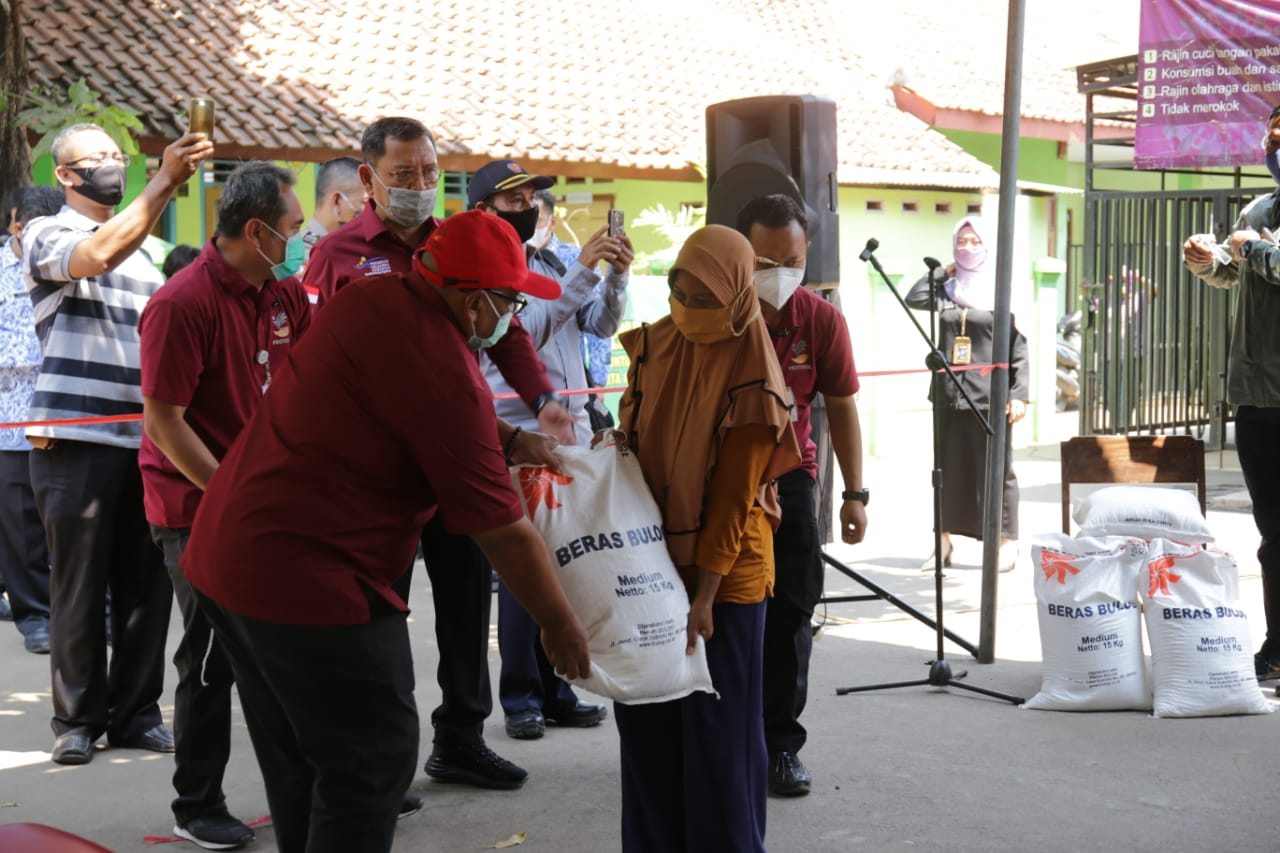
302, 601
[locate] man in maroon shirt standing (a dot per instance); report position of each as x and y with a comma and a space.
812, 342
400, 173
351, 441
211, 340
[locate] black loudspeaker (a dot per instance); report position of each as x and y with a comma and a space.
778, 144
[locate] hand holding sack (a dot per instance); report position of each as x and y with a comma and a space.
603, 532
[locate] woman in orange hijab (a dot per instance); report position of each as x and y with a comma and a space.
707, 416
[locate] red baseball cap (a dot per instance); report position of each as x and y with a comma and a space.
479, 251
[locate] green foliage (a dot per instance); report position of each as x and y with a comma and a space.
48, 109
674, 225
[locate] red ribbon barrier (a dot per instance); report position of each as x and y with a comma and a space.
986, 369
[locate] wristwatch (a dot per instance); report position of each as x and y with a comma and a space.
540, 403
864, 496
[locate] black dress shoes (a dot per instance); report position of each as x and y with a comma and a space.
411, 805
788, 777
37, 641
526, 725
580, 716
72, 748
158, 738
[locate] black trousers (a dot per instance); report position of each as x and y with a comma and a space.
90, 497
331, 715
462, 592
788, 636
24, 555
201, 699
1258, 444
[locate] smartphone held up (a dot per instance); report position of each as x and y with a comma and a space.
615, 222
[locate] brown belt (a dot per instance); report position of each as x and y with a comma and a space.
42, 442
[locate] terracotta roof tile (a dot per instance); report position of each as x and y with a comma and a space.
596, 81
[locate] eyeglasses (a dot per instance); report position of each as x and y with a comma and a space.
93, 161
407, 174
520, 302
763, 263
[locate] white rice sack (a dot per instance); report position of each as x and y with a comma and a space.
1090, 627
1146, 512
603, 531
1201, 653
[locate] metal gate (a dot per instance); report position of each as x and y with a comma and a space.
1155, 337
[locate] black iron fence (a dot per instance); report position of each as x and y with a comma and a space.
1155, 337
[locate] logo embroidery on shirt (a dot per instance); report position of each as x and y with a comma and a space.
800, 352
374, 266
280, 324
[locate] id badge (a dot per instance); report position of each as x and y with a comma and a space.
961, 350
791, 404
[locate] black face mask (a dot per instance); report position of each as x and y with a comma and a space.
525, 221
102, 184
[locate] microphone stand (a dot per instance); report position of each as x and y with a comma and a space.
940, 673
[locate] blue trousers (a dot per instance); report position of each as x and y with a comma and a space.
527, 681
695, 770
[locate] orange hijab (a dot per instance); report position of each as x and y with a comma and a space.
683, 397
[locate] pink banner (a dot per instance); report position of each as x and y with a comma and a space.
1208, 76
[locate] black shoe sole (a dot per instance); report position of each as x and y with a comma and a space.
577, 723
789, 792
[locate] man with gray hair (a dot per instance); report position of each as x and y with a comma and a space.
89, 279
211, 339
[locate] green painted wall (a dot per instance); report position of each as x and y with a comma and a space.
633, 196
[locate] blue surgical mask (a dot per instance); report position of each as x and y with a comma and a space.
295, 253
1273, 164
475, 342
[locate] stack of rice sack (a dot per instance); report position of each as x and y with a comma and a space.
1142, 550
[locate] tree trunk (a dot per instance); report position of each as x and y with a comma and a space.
15, 156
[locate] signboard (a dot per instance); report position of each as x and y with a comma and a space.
1208, 76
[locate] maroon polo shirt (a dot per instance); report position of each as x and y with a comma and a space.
364, 247
812, 342
201, 335
381, 416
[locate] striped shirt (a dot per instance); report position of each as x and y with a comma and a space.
88, 331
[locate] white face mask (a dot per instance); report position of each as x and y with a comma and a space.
540, 237
776, 284
408, 208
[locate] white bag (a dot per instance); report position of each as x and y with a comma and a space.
603, 531
1090, 624
1201, 653
1147, 512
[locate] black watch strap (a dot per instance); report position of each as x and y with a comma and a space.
864, 496
540, 403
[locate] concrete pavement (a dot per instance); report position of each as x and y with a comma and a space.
916, 769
